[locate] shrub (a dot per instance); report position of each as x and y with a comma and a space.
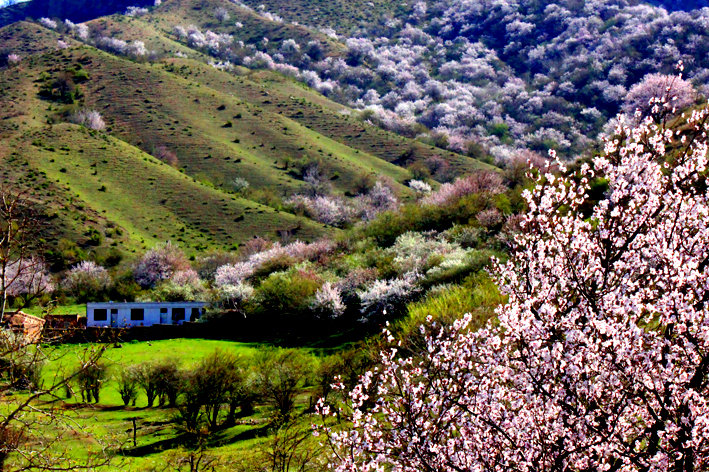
658, 90
149, 380
88, 118
387, 298
168, 382
219, 380
158, 264
89, 380
240, 185
328, 301
87, 281
233, 297
207, 265
279, 375
183, 285
480, 182
420, 187
233, 274
287, 295
127, 384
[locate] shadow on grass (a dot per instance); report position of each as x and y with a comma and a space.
218, 439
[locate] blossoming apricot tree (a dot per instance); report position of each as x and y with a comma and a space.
600, 358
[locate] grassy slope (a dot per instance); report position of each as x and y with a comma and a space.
221, 125
65, 163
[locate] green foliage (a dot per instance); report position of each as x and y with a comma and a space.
126, 382
279, 375
388, 226
286, 294
478, 295
501, 130
89, 380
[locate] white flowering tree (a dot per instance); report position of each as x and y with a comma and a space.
22, 273
87, 281
600, 358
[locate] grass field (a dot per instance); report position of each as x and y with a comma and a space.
158, 441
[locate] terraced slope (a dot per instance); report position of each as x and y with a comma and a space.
216, 126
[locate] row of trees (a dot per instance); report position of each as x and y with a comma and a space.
211, 394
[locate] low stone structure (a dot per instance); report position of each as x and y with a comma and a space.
20, 322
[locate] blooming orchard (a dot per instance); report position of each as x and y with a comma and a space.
600, 359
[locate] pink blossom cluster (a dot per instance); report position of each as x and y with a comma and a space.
48, 23
600, 358
236, 273
338, 211
668, 88
328, 301
159, 264
382, 297
479, 182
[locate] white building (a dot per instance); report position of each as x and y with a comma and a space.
129, 314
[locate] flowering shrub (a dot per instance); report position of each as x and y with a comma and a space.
420, 187
233, 297
328, 301
233, 274
240, 185
332, 211
79, 30
87, 281
599, 358
136, 11
90, 119
387, 297
668, 88
159, 264
134, 49
412, 251
48, 23
339, 212
183, 285
484, 181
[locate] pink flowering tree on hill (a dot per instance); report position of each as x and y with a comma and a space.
600, 358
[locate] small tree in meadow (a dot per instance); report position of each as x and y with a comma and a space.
279, 375
127, 385
90, 378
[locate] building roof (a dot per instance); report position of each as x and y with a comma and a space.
142, 304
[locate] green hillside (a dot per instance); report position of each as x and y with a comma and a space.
106, 188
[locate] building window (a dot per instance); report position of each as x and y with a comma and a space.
163, 310
100, 314
114, 311
137, 314
195, 314
178, 314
